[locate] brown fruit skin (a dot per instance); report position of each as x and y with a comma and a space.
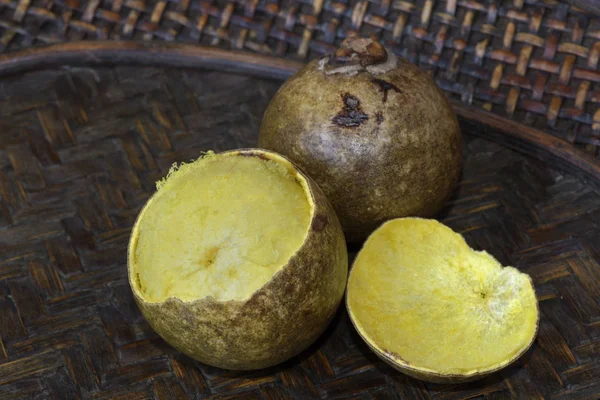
379, 145
280, 320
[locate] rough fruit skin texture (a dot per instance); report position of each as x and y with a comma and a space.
380, 145
279, 320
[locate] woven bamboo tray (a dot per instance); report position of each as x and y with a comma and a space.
80, 149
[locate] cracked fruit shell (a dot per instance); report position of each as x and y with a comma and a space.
238, 260
373, 130
435, 309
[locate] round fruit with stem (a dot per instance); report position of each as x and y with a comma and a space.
373, 130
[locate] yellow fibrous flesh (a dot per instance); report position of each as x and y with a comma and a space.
419, 293
221, 226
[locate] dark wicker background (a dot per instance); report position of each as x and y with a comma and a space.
80, 150
532, 61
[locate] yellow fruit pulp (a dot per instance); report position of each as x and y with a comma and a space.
419, 293
221, 226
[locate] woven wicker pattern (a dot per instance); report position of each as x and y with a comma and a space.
533, 61
79, 152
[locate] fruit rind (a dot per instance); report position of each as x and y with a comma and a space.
279, 320
428, 374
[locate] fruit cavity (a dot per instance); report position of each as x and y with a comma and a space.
423, 299
220, 227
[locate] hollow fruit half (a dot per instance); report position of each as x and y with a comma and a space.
436, 309
238, 260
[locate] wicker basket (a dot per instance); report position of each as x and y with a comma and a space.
81, 148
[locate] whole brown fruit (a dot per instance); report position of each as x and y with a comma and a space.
373, 130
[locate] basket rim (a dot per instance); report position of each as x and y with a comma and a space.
507, 132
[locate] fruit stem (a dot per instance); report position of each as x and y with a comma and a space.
358, 54
357, 50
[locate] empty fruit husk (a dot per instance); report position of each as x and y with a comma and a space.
436, 309
238, 260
